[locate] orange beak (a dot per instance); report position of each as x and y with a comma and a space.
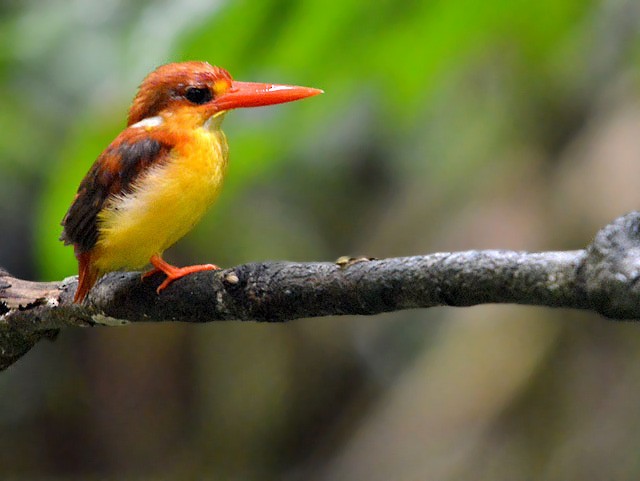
250, 94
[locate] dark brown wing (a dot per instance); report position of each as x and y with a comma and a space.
113, 173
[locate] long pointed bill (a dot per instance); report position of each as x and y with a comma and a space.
250, 94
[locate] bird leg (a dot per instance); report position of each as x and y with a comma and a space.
173, 272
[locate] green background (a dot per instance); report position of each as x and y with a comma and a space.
446, 125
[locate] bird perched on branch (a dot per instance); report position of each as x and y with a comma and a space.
158, 177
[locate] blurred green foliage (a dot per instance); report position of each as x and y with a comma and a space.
445, 125
394, 61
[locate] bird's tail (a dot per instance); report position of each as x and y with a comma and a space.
87, 276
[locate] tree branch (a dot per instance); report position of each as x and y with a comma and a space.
602, 278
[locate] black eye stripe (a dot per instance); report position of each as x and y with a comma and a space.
198, 95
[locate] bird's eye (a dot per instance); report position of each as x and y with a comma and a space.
198, 95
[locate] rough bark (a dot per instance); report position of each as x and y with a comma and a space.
601, 278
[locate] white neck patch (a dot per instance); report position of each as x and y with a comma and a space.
148, 123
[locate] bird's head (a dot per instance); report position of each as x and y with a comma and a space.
205, 90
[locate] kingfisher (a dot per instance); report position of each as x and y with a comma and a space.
159, 176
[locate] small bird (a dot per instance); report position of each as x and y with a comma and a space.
156, 180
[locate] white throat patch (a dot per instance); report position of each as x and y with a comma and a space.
148, 123
214, 122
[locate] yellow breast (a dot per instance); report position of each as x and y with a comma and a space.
165, 203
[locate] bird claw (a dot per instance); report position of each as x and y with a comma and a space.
146, 275
176, 273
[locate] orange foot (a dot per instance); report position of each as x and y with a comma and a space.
173, 272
